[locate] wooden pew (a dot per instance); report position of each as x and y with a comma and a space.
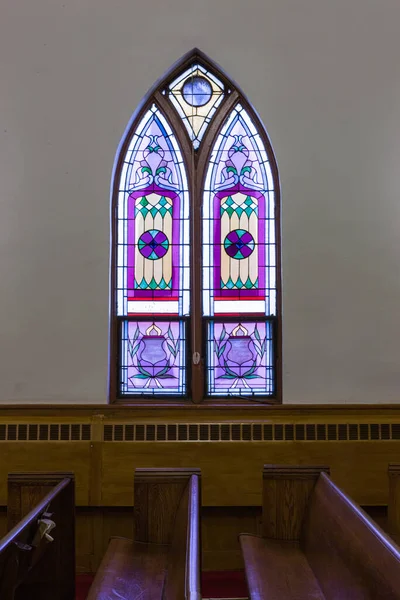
394, 501
33, 567
163, 562
317, 543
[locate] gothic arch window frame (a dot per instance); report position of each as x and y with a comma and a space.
196, 165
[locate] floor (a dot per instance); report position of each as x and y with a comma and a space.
215, 585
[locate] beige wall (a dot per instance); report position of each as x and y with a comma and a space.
325, 78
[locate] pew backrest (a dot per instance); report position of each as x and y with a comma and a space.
350, 555
394, 501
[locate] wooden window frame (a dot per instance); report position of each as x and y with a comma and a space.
196, 162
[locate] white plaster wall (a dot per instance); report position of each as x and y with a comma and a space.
325, 78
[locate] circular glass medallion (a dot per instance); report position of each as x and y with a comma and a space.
197, 91
239, 244
153, 244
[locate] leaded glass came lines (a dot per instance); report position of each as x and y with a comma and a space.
196, 95
195, 259
238, 223
144, 206
153, 357
153, 261
240, 358
247, 206
239, 261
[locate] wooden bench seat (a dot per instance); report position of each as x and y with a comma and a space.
148, 563
278, 570
317, 543
163, 562
37, 556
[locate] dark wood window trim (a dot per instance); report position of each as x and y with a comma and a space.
196, 167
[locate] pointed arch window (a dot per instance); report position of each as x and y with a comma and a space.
195, 277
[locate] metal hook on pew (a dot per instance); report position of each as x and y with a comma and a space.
45, 526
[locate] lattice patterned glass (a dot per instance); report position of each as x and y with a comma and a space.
153, 252
152, 357
239, 260
240, 358
239, 268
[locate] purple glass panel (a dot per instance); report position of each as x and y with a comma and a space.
155, 181
153, 261
240, 358
153, 358
153, 223
238, 223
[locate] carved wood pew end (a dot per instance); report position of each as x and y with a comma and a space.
37, 556
394, 501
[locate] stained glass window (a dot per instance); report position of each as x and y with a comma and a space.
153, 261
239, 266
195, 255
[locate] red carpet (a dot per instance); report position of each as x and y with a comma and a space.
215, 584
83, 582
223, 584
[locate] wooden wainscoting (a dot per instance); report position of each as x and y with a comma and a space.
103, 445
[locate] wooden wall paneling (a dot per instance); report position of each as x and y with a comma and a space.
231, 471
84, 537
92, 537
98, 538
47, 456
206, 412
96, 461
117, 522
221, 527
3, 521
95, 474
95, 527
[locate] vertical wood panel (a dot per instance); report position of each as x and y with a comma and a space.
157, 495
286, 491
